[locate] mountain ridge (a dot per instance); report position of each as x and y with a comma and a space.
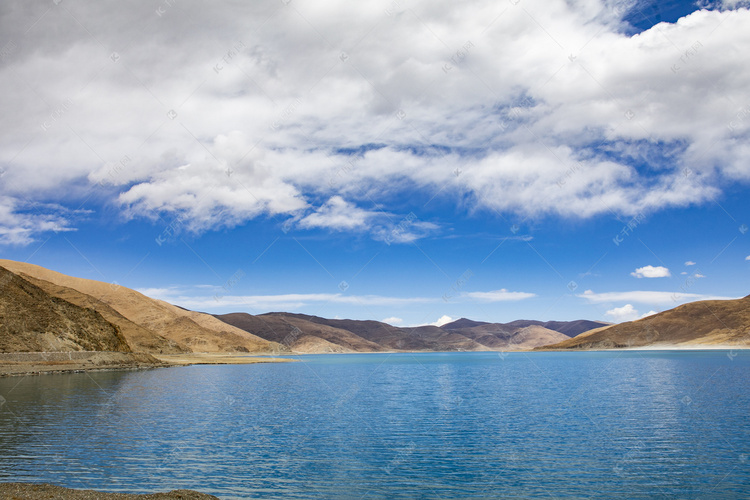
702, 323
303, 332
31, 320
165, 328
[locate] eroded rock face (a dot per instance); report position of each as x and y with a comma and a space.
31, 320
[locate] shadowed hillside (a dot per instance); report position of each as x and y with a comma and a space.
185, 329
31, 320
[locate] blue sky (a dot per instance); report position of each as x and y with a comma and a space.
407, 161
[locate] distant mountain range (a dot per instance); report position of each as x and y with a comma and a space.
723, 323
42, 310
304, 333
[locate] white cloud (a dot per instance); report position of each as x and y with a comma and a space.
501, 295
292, 300
194, 297
651, 272
650, 313
22, 223
339, 215
443, 320
648, 297
747, 258
690, 263
624, 313
265, 122
699, 275
393, 321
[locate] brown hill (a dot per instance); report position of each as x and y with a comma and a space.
304, 333
708, 322
139, 338
299, 334
186, 329
506, 337
31, 320
462, 323
391, 338
569, 328
434, 338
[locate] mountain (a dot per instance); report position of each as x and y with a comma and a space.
31, 320
149, 325
299, 334
505, 336
568, 328
462, 323
305, 333
156, 327
708, 322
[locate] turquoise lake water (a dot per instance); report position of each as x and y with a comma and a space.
461, 425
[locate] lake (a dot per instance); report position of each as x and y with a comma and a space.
627, 424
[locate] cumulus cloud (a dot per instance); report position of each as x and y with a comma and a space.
443, 320
552, 108
650, 313
339, 215
690, 263
651, 272
624, 313
393, 321
747, 258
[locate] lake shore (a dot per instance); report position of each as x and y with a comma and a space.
24, 364
27, 491
653, 347
38, 363
41, 363
217, 358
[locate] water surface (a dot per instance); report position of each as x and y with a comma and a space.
461, 425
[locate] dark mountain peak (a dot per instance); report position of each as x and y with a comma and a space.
463, 323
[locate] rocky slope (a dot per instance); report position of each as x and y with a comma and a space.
703, 323
149, 325
31, 320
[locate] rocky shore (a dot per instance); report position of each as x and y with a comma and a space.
24, 491
37, 363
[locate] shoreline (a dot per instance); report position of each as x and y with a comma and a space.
687, 348
33, 491
22, 364
80, 362
219, 358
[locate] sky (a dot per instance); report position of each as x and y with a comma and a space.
399, 160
